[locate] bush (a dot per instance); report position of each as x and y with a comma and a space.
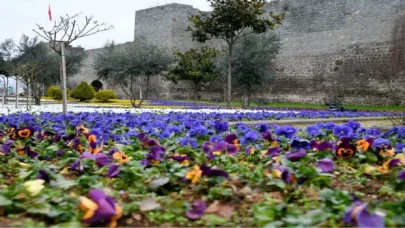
55, 92
83, 92
105, 95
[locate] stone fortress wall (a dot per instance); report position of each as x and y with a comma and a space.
325, 44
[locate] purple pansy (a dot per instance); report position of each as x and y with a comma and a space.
401, 175
296, 155
207, 171
399, 147
154, 156
215, 139
300, 144
394, 162
6, 148
287, 131
381, 142
273, 152
42, 174
263, 127
267, 136
313, 130
250, 137
220, 126
286, 175
187, 141
342, 130
113, 170
197, 210
358, 215
60, 153
106, 207
326, 165
101, 159
231, 138
353, 125
321, 146
77, 166
28, 151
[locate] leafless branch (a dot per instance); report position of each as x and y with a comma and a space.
68, 30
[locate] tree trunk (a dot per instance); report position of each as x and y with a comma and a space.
248, 97
16, 92
225, 88
6, 91
195, 93
244, 101
147, 86
229, 79
29, 94
4, 99
37, 100
64, 94
140, 88
36, 93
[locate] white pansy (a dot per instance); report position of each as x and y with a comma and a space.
57, 108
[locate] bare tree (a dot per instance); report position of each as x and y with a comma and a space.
29, 74
63, 33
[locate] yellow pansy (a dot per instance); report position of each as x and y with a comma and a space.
194, 175
87, 205
34, 187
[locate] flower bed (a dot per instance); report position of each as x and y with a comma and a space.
203, 113
189, 169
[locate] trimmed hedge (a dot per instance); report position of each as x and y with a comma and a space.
55, 92
83, 92
106, 95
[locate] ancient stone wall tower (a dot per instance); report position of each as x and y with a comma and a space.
326, 44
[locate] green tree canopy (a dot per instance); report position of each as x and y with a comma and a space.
48, 62
252, 63
132, 65
195, 65
228, 21
3, 67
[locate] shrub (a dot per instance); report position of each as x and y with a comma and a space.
55, 92
83, 92
105, 95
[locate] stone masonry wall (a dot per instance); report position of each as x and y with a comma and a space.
88, 74
338, 40
326, 44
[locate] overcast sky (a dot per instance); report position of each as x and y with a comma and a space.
20, 16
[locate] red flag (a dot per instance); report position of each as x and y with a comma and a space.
50, 13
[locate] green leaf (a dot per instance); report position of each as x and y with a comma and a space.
68, 224
4, 201
23, 174
61, 182
371, 157
53, 147
40, 209
214, 220
277, 182
274, 224
156, 183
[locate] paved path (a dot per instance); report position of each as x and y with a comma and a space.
381, 123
